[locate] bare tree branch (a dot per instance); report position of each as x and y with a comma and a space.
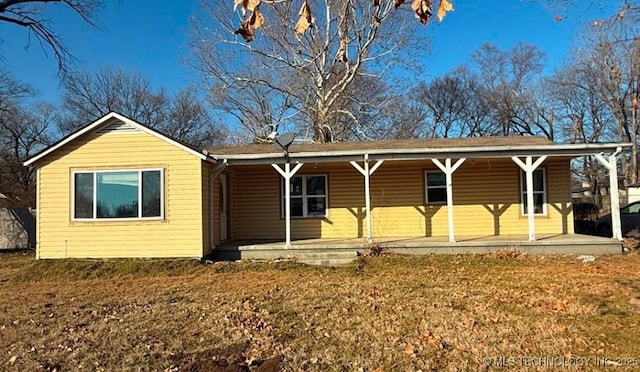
30, 15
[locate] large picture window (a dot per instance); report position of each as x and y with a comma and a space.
539, 192
118, 194
436, 187
308, 196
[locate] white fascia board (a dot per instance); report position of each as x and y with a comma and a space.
425, 153
96, 124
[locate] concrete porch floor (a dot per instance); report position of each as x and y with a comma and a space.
313, 250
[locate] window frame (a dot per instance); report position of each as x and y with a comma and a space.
305, 197
427, 187
95, 173
544, 192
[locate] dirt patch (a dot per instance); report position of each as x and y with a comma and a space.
230, 359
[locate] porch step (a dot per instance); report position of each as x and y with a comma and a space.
333, 257
310, 256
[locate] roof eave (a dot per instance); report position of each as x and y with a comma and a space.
571, 150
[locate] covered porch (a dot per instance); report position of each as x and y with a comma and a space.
504, 196
341, 251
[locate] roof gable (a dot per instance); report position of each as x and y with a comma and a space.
112, 123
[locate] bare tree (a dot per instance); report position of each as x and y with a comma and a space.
87, 97
611, 62
445, 99
23, 131
584, 118
510, 86
30, 14
189, 121
12, 92
287, 77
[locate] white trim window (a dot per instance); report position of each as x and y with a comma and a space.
539, 192
435, 187
308, 196
118, 194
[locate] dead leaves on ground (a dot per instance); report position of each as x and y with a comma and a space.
423, 11
411, 313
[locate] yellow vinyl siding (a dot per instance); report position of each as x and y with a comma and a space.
233, 205
207, 212
486, 201
179, 234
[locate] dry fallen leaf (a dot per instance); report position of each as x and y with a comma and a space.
248, 26
257, 19
444, 7
423, 9
306, 19
245, 5
246, 31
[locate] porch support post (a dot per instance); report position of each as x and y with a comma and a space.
218, 169
529, 166
287, 174
367, 172
212, 176
612, 166
448, 170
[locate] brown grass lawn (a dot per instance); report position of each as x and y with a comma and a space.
381, 313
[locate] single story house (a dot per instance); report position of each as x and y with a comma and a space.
117, 188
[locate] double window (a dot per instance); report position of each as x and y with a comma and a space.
435, 187
308, 196
130, 194
539, 192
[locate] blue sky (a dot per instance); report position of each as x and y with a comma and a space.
150, 37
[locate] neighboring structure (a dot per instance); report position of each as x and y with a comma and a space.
17, 226
633, 193
119, 189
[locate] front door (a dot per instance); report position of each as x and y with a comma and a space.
224, 206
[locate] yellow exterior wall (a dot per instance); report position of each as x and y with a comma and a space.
233, 205
207, 212
215, 207
181, 233
486, 198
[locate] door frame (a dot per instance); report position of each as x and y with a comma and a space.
223, 197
